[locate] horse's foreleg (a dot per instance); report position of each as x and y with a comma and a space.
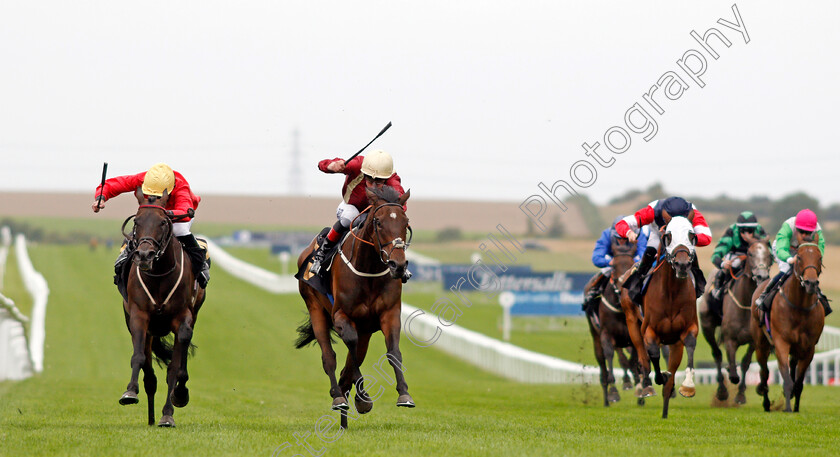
608, 383
674, 359
741, 398
783, 359
390, 325
180, 394
642, 367
652, 350
799, 384
598, 346
138, 325
150, 380
687, 388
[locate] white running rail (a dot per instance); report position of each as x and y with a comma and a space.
15, 363
505, 359
36, 285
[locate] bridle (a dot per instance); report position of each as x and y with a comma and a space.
801, 275
396, 243
160, 245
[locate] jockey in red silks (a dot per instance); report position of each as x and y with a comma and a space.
653, 214
373, 170
153, 183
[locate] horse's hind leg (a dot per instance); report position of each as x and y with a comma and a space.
627, 381
762, 353
390, 325
608, 377
351, 375
137, 325
150, 380
799, 383
782, 358
708, 327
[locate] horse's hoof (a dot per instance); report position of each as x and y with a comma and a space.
627, 385
722, 394
639, 392
613, 395
405, 401
180, 398
340, 404
761, 389
640, 402
687, 392
648, 391
363, 406
662, 378
129, 398
740, 399
166, 421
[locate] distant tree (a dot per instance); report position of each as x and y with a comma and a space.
556, 229
790, 205
449, 234
832, 213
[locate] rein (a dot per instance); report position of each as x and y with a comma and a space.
384, 256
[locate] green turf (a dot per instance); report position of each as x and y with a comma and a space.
251, 392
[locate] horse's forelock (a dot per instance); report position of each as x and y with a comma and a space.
386, 193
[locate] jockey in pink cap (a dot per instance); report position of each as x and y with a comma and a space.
803, 226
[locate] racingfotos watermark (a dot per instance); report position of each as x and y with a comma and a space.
640, 119
327, 427
637, 119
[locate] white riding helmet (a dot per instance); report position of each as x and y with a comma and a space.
378, 164
159, 178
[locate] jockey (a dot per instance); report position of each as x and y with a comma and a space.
159, 179
804, 223
373, 170
602, 258
735, 241
653, 214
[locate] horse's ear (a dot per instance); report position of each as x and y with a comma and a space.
691, 216
404, 197
666, 239
138, 193
371, 195
693, 238
164, 198
666, 217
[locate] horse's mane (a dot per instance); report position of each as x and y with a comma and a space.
386, 193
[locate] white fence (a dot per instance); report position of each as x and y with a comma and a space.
15, 362
505, 359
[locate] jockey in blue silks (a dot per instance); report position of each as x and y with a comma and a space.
602, 258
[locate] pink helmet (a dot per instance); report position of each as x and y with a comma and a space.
806, 220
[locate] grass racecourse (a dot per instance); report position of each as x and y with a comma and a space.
251, 392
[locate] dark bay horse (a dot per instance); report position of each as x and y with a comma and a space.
796, 323
670, 312
163, 297
610, 332
366, 297
735, 324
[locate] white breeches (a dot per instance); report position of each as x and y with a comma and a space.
784, 267
181, 228
346, 213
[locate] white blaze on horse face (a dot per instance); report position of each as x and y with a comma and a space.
393, 215
679, 228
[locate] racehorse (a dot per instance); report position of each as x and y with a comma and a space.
366, 296
796, 322
734, 326
670, 312
162, 297
610, 332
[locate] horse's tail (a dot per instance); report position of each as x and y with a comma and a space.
162, 350
306, 334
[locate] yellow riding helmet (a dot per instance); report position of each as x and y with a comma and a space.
378, 164
159, 178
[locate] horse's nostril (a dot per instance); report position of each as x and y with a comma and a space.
392, 264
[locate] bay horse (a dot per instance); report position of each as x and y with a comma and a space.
162, 297
735, 323
670, 312
610, 332
366, 297
796, 322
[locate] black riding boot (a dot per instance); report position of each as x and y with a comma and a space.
320, 254
699, 278
720, 284
824, 300
634, 282
201, 270
768, 291
590, 301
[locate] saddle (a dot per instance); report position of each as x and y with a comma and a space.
123, 266
321, 282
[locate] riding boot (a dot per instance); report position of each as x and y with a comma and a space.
720, 284
201, 270
330, 240
634, 282
590, 301
699, 278
119, 267
762, 303
824, 300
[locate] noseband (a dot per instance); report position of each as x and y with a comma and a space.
672, 258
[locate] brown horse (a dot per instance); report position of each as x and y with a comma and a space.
734, 326
366, 296
796, 323
610, 332
163, 297
670, 313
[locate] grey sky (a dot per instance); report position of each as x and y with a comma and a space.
487, 99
